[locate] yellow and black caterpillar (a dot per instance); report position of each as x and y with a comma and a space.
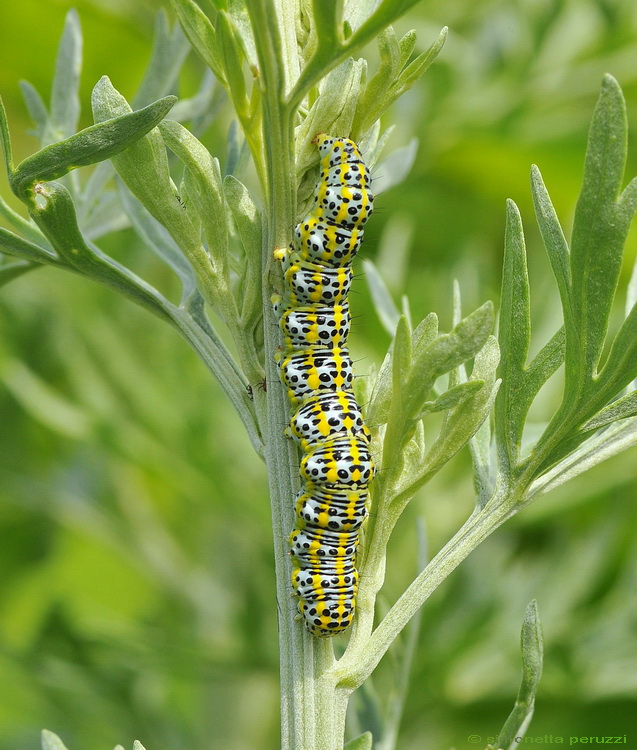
316, 371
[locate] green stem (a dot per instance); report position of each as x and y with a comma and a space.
307, 699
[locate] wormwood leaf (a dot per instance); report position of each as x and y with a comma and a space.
401, 359
452, 397
232, 59
620, 409
65, 101
58, 221
247, 221
158, 240
532, 654
446, 352
36, 108
332, 112
599, 230
5, 140
201, 34
93, 144
12, 244
362, 742
51, 741
555, 244
386, 310
395, 167
12, 270
208, 196
170, 48
513, 336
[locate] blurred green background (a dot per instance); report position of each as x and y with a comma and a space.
135, 542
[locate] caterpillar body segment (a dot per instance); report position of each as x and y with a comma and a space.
316, 370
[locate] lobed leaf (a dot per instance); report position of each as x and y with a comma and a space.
155, 237
232, 59
532, 654
13, 244
95, 143
208, 196
15, 269
621, 409
51, 741
65, 101
452, 397
555, 244
247, 221
201, 35
513, 336
446, 352
170, 48
384, 306
57, 219
599, 230
5, 140
36, 108
362, 742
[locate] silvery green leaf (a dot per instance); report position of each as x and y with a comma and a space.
208, 193
600, 226
452, 397
137, 745
378, 406
36, 108
424, 333
532, 655
65, 102
407, 45
386, 310
51, 741
446, 352
57, 219
200, 33
5, 141
419, 66
14, 269
158, 240
18, 247
554, 242
96, 143
247, 221
332, 112
231, 54
241, 19
170, 48
621, 409
362, 742
395, 167
143, 167
514, 336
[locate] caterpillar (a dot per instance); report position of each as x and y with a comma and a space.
316, 371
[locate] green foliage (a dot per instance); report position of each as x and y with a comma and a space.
532, 655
